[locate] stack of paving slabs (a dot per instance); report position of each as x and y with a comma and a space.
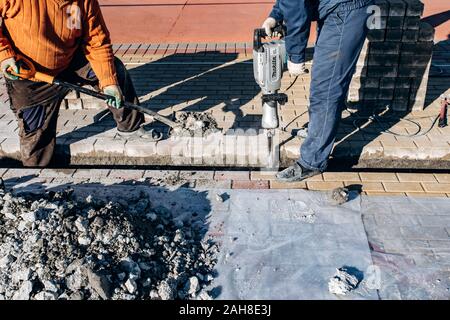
394, 64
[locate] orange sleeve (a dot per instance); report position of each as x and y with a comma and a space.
97, 45
6, 50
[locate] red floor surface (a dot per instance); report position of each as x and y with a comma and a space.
173, 21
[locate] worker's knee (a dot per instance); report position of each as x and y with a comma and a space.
36, 150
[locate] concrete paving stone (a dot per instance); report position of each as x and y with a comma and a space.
29, 183
367, 186
107, 181
378, 176
315, 178
436, 187
426, 195
416, 177
3, 171
384, 194
126, 174
324, 185
412, 153
140, 148
57, 173
213, 184
195, 175
442, 177
248, 184
10, 145
80, 147
109, 146
403, 187
158, 174
232, 175
287, 185
341, 176
91, 173
169, 147
263, 175
20, 173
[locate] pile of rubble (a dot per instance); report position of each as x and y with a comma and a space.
194, 124
57, 246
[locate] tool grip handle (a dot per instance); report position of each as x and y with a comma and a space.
27, 71
260, 33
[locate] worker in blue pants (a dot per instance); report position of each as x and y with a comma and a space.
342, 29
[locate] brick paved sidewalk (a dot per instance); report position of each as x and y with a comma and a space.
369, 183
218, 78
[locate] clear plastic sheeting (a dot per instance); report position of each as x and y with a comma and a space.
411, 245
288, 245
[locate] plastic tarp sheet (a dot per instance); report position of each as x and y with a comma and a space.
287, 244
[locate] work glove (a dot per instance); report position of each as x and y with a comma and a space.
297, 69
269, 25
9, 63
114, 91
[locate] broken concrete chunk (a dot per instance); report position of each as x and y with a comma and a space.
6, 260
219, 197
131, 286
100, 284
24, 291
81, 224
345, 280
166, 290
192, 285
339, 196
46, 295
21, 275
29, 216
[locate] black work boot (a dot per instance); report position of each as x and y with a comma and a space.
296, 172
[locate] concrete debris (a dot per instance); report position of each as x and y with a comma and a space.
24, 291
192, 285
100, 284
219, 197
131, 286
346, 279
166, 289
339, 196
89, 249
194, 124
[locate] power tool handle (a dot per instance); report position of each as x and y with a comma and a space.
260, 34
